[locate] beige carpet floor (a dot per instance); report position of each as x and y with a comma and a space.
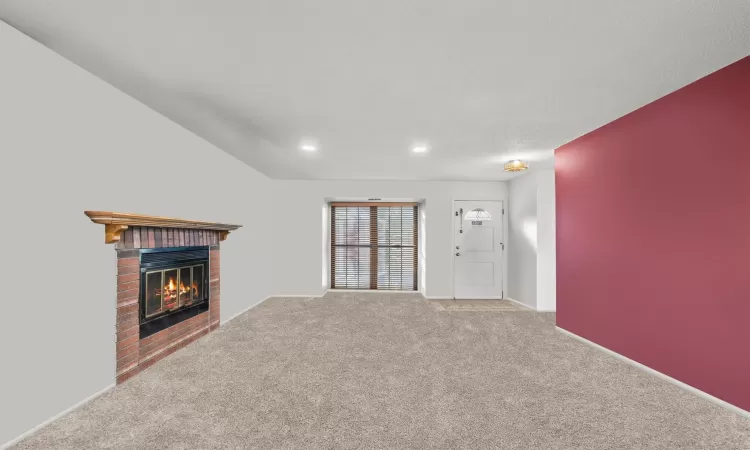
367, 371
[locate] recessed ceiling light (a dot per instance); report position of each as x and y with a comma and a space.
308, 147
420, 148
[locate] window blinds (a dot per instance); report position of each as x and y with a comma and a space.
374, 246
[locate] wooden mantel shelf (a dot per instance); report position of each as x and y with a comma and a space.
115, 223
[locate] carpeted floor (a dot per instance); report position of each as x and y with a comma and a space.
390, 371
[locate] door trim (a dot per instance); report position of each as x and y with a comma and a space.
504, 255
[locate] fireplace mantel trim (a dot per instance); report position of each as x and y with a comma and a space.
115, 223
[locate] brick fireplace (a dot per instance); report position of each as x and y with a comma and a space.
168, 285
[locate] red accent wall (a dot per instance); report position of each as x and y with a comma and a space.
653, 235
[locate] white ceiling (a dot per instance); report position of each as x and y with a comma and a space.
481, 80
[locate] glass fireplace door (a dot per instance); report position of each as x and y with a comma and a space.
171, 289
198, 288
154, 284
186, 281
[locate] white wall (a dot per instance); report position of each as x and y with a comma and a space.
298, 245
69, 142
546, 260
532, 245
522, 237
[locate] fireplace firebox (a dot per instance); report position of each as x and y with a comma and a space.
174, 286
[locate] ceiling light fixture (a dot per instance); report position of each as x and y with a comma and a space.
308, 147
419, 148
515, 165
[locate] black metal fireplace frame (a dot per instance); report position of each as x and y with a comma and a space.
168, 258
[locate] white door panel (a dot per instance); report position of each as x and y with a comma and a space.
481, 273
479, 239
478, 260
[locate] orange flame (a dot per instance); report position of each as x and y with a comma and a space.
169, 293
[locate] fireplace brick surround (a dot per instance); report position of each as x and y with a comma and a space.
133, 353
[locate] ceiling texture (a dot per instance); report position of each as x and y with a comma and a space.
481, 81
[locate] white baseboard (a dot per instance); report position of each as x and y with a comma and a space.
543, 310
267, 298
97, 394
297, 296
520, 303
658, 374
246, 309
524, 305
55, 417
379, 291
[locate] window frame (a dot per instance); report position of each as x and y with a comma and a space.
374, 245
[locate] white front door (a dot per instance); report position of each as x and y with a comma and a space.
478, 249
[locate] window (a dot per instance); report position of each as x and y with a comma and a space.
374, 246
